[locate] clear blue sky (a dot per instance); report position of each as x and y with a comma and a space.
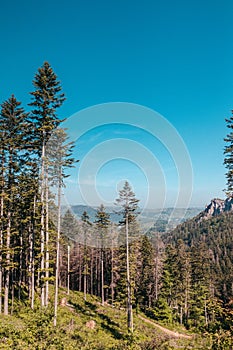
175, 57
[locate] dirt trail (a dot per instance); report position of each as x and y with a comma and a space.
165, 330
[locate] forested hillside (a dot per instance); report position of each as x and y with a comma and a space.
181, 279
212, 239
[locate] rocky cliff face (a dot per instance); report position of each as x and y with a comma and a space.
216, 207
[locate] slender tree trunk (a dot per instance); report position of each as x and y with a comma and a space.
7, 270
181, 315
58, 254
156, 277
30, 261
80, 269
112, 272
206, 314
68, 269
102, 276
96, 271
47, 239
85, 264
99, 274
12, 291
42, 232
129, 302
2, 226
20, 263
91, 272
1, 246
33, 256
59, 276
85, 283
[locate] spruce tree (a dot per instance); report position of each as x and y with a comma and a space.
129, 204
46, 99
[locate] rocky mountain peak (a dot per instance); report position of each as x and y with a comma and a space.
217, 206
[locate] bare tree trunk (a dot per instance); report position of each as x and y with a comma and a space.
181, 315
7, 272
1, 246
206, 314
99, 273
156, 277
12, 292
42, 232
80, 269
91, 272
30, 261
85, 284
68, 269
85, 264
20, 263
112, 275
58, 254
102, 277
2, 227
32, 242
129, 302
96, 271
46, 239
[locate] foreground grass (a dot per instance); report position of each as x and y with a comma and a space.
85, 326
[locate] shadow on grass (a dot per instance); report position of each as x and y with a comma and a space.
106, 323
116, 334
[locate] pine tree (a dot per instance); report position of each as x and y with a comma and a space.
129, 204
46, 99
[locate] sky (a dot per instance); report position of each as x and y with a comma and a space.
169, 61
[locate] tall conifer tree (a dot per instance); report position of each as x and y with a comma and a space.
129, 204
46, 99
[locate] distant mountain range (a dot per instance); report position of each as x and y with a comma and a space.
161, 219
158, 219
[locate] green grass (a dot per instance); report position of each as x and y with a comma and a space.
28, 329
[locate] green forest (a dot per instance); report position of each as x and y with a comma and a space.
67, 283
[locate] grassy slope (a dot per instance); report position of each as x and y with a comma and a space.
34, 330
